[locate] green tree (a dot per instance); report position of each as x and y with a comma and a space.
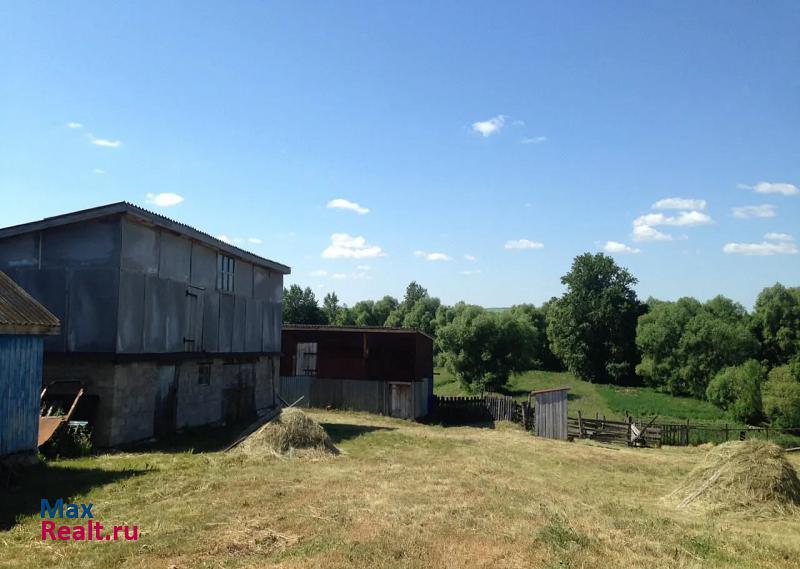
658, 336
482, 349
418, 310
737, 389
592, 327
331, 307
383, 308
776, 323
537, 317
716, 337
300, 306
781, 394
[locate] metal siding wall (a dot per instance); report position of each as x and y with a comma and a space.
131, 312
239, 323
92, 309
226, 303
243, 281
90, 243
211, 322
140, 245
174, 257
255, 312
204, 267
20, 382
19, 251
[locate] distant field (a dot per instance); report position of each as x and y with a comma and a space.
607, 400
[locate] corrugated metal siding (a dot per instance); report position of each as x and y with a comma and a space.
20, 382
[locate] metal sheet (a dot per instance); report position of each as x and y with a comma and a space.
226, 309
243, 281
91, 325
211, 321
255, 312
239, 323
20, 383
131, 312
91, 243
174, 257
140, 245
204, 267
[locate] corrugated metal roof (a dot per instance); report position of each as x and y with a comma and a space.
20, 313
145, 215
334, 328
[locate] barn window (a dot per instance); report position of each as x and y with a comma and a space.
225, 270
305, 362
204, 374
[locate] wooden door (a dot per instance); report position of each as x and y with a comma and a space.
401, 401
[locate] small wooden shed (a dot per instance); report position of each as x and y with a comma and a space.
23, 324
550, 413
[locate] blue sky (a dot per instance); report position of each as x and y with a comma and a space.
519, 135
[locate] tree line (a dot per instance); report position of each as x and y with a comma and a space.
747, 363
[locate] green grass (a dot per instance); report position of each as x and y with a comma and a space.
603, 400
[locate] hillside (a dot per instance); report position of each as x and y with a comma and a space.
607, 400
400, 495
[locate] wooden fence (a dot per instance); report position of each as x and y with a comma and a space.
627, 432
479, 408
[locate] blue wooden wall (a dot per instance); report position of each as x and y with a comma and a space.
20, 387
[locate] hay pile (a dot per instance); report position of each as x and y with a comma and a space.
751, 477
292, 433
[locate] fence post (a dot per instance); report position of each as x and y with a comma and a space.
580, 424
726, 432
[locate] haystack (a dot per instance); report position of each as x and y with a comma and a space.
750, 477
291, 433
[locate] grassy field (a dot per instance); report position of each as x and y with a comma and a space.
591, 399
400, 495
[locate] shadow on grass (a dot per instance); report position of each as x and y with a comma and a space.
51, 481
339, 432
195, 440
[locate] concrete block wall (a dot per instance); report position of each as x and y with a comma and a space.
199, 404
128, 393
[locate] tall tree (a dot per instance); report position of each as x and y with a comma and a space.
300, 306
592, 327
331, 307
776, 323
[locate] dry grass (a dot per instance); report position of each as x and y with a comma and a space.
292, 433
408, 495
751, 478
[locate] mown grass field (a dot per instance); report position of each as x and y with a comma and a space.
400, 495
608, 400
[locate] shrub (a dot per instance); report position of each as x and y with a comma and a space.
781, 395
737, 389
69, 441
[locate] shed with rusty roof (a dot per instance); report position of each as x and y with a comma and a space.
23, 324
363, 368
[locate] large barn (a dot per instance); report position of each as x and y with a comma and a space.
362, 368
163, 325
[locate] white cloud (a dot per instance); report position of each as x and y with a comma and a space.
647, 233
470, 272
338, 276
225, 239
644, 226
75, 125
470, 257
523, 244
679, 203
363, 267
340, 203
617, 247
166, 199
762, 249
772, 188
345, 246
747, 211
432, 256
683, 219
533, 140
778, 237
98, 171
105, 142
318, 273
254, 240
490, 126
